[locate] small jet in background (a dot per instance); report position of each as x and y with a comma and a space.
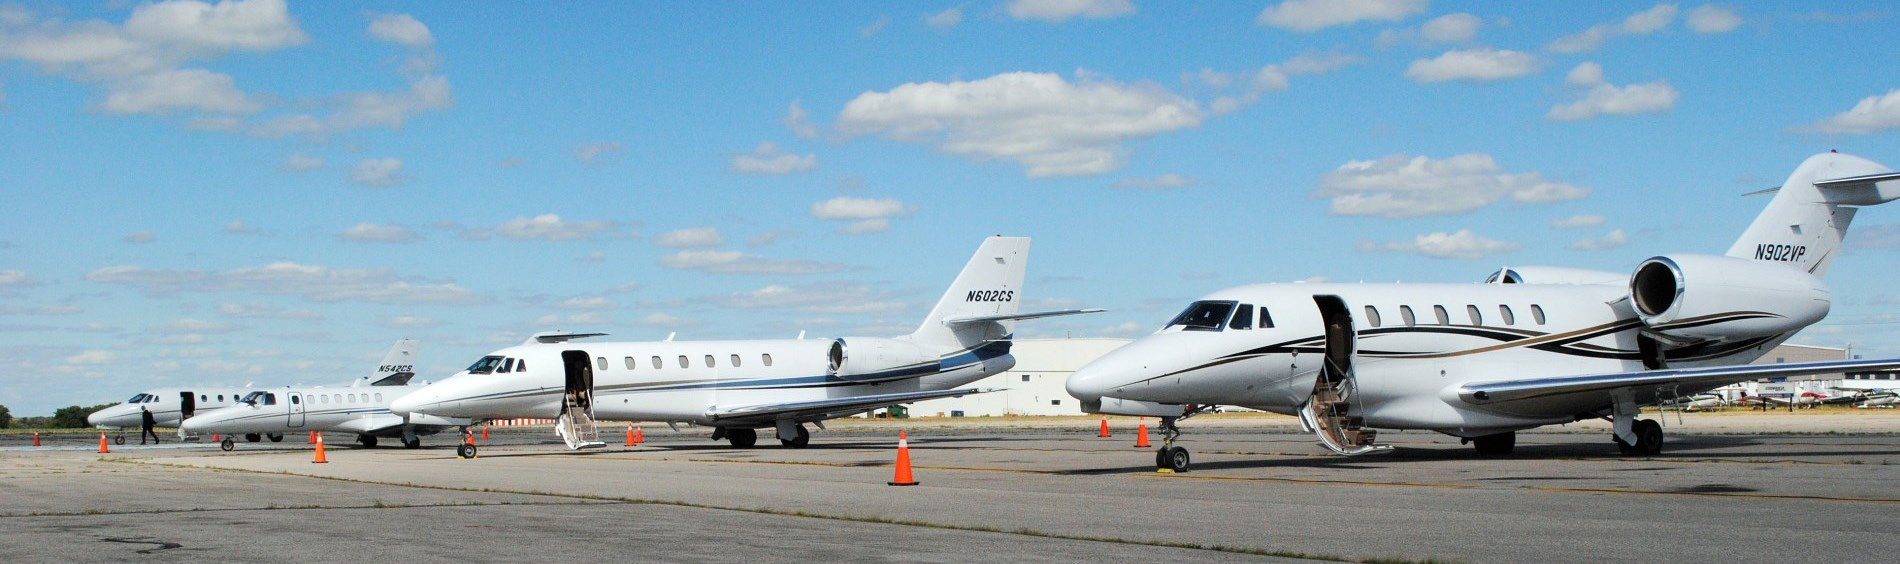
361, 408
168, 406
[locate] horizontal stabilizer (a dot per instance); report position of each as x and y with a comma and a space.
1491, 393
1857, 180
772, 411
1016, 316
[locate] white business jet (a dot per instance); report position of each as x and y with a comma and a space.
1537, 346
361, 408
739, 386
169, 406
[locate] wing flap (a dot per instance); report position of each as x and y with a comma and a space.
1019, 316
1492, 393
834, 405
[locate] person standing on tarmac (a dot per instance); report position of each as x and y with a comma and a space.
145, 425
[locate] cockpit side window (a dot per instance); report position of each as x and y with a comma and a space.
507, 365
486, 365
1243, 317
1204, 316
270, 399
136, 398
1266, 321
521, 365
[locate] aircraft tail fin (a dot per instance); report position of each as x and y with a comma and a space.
1804, 224
989, 286
398, 366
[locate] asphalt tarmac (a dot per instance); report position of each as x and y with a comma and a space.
1257, 490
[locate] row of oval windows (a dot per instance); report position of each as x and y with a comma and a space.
1443, 316
600, 362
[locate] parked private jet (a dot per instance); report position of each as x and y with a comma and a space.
169, 406
361, 408
1537, 346
739, 386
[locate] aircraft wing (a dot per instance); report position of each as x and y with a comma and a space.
370, 424
833, 405
1506, 391
1016, 316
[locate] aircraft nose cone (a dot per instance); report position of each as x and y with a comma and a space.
413, 402
195, 425
97, 417
1092, 381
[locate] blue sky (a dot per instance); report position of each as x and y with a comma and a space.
254, 192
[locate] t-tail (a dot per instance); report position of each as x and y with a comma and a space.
397, 367
984, 301
1804, 225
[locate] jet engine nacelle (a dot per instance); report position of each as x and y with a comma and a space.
1724, 298
865, 358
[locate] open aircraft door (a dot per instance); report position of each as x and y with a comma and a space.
1332, 412
187, 405
576, 425
295, 409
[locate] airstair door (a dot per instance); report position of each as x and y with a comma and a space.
576, 425
296, 409
1333, 413
187, 405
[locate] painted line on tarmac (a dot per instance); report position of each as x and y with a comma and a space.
1742, 495
299, 507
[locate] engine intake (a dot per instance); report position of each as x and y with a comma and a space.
1724, 298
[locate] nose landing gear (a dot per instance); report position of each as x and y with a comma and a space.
1170, 458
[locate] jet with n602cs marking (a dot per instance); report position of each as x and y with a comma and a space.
737, 387
1534, 346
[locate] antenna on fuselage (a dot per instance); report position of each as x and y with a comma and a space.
801, 334
670, 334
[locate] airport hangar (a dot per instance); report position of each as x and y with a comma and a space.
1035, 385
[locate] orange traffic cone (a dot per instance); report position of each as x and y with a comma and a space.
630, 434
102, 443
903, 462
484, 433
320, 459
215, 439
1104, 433
1141, 434
639, 435
468, 438
36, 439
312, 439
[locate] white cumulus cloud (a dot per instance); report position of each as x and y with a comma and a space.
1477, 64
1603, 98
373, 233
312, 282
1873, 114
181, 89
768, 159
1641, 23
946, 18
819, 297
1576, 221
1710, 18
692, 237
299, 162
797, 120
735, 262
1313, 15
1049, 125
1614, 239
401, 28
1402, 185
1058, 11
1462, 244
377, 172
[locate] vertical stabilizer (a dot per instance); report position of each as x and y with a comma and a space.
990, 284
400, 360
1803, 225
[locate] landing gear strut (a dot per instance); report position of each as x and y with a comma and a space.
1649, 439
1172, 458
798, 441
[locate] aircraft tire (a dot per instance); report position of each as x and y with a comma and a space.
1495, 445
412, 443
1175, 459
252, 437
742, 438
465, 451
227, 444
119, 440
366, 440
1649, 437
801, 441
275, 437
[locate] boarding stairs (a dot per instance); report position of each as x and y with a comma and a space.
576, 426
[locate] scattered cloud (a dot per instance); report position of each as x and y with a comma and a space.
164, 92
1462, 245
1641, 23
264, 311
377, 172
1578, 221
589, 318
693, 237
818, 297
1402, 185
299, 162
1874, 114
592, 256
586, 302
139, 237
1168, 181
39, 309
1123, 328
12, 278
1449, 28
312, 282
409, 321
1270, 78
767, 238
1480, 64
373, 233
1615, 239
662, 319
945, 19
869, 215
1602, 98
1058, 11
799, 122
1710, 18
239, 227
598, 152
90, 357
191, 325
544, 227
1051, 126
1314, 15
735, 262
1883, 236
768, 159
876, 26
402, 29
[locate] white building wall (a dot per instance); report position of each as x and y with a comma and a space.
1033, 387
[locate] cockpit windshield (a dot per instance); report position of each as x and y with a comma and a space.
137, 399
485, 366
1204, 316
251, 398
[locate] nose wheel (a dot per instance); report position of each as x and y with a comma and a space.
227, 444
1170, 458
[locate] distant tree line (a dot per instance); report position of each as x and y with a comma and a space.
69, 417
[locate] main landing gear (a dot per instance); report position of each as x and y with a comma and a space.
1649, 439
1499, 444
802, 438
740, 438
1170, 458
227, 444
366, 440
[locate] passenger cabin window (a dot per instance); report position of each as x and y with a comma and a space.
767, 358
1405, 314
1203, 316
1504, 312
1476, 318
683, 362
379, 398
486, 365
600, 363
1444, 318
294, 400
709, 362
323, 399
630, 363
1243, 317
657, 364
1372, 316
352, 398
1537, 314
735, 361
